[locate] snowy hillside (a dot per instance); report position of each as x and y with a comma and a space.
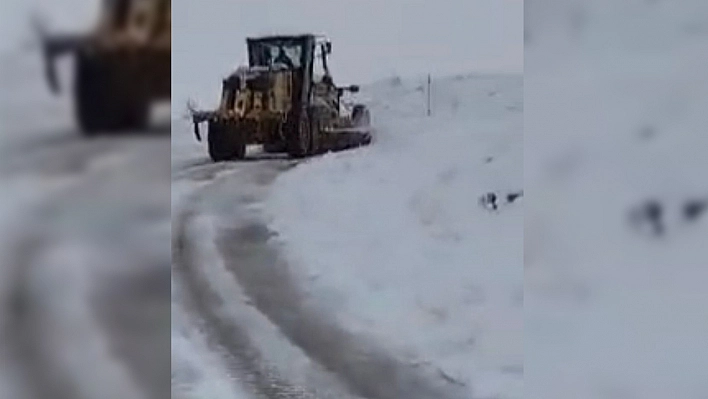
615, 96
392, 238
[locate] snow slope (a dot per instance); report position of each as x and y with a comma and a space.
615, 96
392, 240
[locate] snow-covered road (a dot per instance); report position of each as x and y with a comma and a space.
84, 271
241, 324
376, 268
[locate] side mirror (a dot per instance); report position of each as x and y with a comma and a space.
354, 88
328, 47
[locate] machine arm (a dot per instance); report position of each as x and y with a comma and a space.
53, 46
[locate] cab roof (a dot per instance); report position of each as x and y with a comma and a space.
277, 37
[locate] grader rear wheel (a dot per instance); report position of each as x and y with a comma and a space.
225, 144
107, 97
93, 102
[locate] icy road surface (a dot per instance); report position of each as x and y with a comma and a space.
84, 246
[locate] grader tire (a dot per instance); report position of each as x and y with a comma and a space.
225, 143
107, 99
317, 140
92, 99
299, 135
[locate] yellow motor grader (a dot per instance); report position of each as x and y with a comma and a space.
121, 66
279, 101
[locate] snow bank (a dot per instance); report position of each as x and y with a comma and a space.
392, 239
616, 97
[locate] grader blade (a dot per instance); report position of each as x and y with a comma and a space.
340, 139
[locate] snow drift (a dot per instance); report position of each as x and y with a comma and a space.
392, 239
616, 101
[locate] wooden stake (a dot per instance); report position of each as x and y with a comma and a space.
429, 95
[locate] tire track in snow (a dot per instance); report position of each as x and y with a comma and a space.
21, 331
202, 302
53, 316
365, 369
56, 322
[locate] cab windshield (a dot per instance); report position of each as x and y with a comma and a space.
278, 55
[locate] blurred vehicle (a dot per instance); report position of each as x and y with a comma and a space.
278, 101
121, 66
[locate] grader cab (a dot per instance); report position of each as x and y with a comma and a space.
121, 66
280, 102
